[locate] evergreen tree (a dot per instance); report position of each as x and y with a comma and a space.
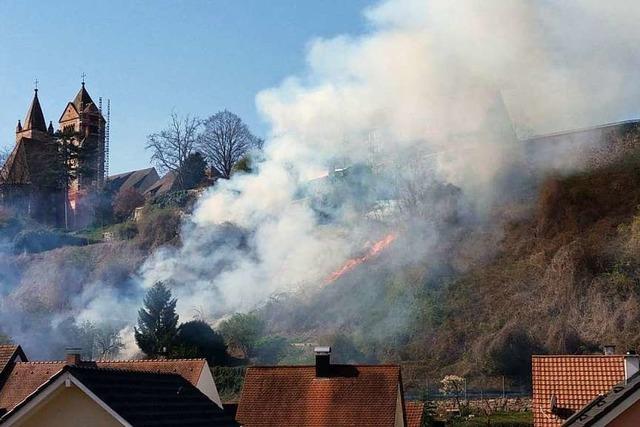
192, 172
157, 322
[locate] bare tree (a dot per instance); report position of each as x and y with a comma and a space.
107, 342
225, 140
172, 146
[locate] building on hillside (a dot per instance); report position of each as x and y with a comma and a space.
139, 180
33, 181
31, 391
26, 181
564, 385
164, 185
323, 394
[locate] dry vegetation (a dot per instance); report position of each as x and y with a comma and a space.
559, 273
565, 280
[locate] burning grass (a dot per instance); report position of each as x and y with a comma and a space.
374, 250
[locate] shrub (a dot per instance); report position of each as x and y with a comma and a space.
197, 339
271, 349
242, 332
159, 227
125, 231
10, 225
126, 201
175, 199
229, 381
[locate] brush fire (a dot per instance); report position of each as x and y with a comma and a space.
374, 250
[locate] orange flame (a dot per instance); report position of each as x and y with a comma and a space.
374, 251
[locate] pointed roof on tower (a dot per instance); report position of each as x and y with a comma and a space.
82, 99
35, 118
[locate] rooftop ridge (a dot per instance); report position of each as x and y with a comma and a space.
117, 370
199, 359
53, 362
571, 356
332, 365
42, 362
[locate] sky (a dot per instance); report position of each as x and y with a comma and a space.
152, 58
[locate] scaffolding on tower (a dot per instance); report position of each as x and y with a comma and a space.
105, 151
106, 140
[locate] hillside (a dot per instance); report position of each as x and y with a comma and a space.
557, 270
553, 268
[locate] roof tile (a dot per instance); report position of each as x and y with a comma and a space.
414, 411
293, 395
573, 380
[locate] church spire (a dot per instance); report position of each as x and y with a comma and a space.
19, 127
82, 99
35, 119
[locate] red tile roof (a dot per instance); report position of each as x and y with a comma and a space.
293, 395
414, 411
7, 353
26, 377
573, 380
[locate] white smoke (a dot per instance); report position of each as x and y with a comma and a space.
429, 76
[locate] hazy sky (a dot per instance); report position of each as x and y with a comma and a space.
153, 57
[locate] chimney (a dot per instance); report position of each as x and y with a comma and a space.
73, 356
631, 364
609, 350
323, 361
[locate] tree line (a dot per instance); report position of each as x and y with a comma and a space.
159, 334
221, 140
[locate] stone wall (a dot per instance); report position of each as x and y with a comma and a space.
446, 407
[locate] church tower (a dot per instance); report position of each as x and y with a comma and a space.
83, 119
34, 126
28, 181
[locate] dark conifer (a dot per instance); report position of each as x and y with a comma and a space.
157, 322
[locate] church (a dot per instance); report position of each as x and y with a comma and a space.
51, 175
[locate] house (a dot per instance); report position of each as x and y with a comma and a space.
129, 393
83, 396
415, 412
139, 180
564, 385
619, 407
166, 184
323, 394
9, 354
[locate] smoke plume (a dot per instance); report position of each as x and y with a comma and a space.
437, 85
424, 114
